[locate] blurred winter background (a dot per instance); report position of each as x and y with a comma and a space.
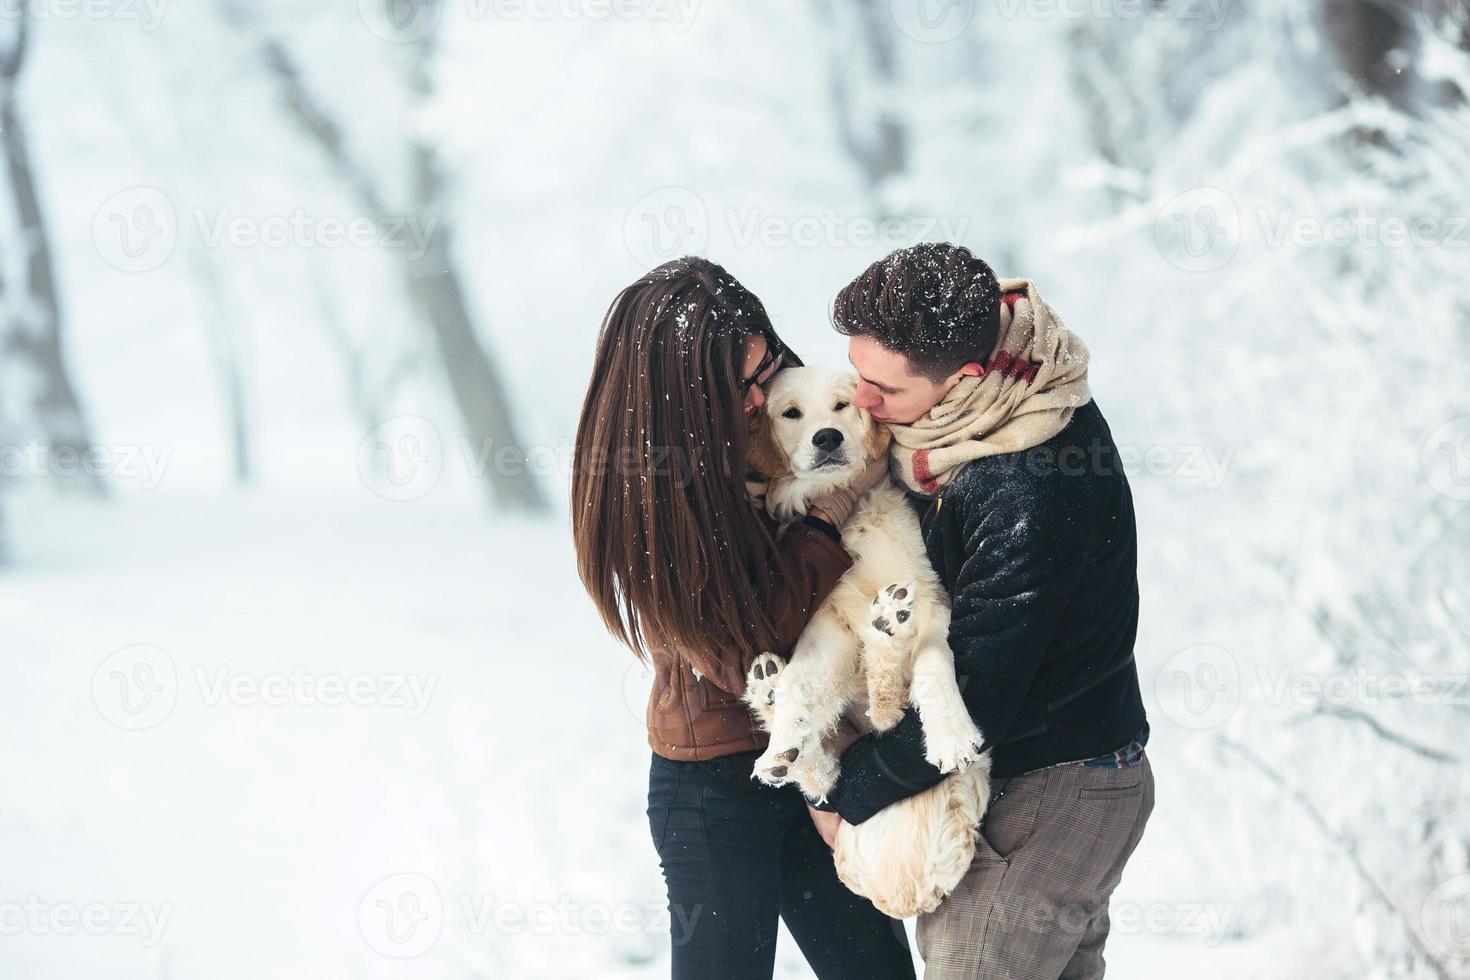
297, 306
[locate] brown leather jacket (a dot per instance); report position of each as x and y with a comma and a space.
696, 718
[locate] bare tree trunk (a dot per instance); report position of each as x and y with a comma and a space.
1363, 36
431, 274
864, 71
30, 336
222, 330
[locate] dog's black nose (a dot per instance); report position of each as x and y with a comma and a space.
827, 439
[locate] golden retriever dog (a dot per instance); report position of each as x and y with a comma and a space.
877, 645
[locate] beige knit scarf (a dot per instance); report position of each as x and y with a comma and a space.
1030, 386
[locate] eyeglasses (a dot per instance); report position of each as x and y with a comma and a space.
766, 369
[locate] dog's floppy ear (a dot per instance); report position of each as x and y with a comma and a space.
762, 452
876, 438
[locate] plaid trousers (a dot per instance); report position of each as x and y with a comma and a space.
1034, 904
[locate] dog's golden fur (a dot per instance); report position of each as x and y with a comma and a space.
877, 645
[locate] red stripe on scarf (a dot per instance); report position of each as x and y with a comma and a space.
1011, 367
922, 474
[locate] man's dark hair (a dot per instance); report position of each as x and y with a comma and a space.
935, 303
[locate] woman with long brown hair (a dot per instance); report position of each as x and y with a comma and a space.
687, 573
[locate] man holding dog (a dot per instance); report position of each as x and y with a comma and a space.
1028, 520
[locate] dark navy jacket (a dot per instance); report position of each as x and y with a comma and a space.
1038, 550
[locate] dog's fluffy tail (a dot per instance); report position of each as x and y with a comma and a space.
907, 857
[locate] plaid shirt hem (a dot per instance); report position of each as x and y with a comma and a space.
1123, 758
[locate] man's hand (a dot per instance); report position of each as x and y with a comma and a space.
827, 824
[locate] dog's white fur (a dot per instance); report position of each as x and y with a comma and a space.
876, 645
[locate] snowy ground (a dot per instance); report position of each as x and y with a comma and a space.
234, 825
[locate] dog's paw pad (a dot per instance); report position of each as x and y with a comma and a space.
761, 680
772, 769
893, 609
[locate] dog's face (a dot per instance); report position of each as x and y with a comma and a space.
809, 427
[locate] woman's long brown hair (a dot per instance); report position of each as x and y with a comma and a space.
667, 544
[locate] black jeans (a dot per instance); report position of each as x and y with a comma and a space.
735, 854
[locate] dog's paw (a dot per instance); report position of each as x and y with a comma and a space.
893, 610
775, 766
784, 500
951, 744
760, 685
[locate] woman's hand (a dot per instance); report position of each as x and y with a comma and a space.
827, 824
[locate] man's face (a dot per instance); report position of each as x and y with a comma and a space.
888, 388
